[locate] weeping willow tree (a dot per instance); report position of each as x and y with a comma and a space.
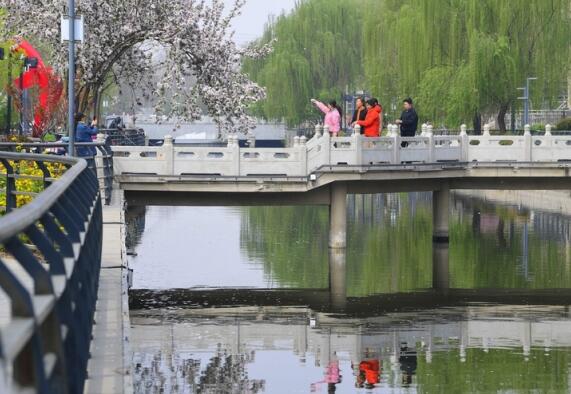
317, 53
465, 58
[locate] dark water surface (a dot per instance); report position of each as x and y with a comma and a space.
243, 300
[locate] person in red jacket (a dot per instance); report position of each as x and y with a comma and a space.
372, 123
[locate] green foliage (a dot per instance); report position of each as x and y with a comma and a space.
497, 370
318, 52
462, 57
458, 58
564, 125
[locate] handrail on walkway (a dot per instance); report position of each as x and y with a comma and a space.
55, 240
103, 161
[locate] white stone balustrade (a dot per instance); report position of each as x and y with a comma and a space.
322, 151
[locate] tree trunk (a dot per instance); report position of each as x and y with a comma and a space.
478, 123
502, 117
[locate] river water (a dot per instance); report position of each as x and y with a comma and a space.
250, 300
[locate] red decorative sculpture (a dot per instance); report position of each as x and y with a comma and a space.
49, 84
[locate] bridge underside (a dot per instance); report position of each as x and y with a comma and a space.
247, 191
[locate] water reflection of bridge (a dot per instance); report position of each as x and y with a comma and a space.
319, 338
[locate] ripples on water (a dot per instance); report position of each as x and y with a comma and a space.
239, 300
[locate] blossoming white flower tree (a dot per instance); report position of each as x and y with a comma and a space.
201, 62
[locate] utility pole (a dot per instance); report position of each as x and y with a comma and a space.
71, 78
525, 98
9, 96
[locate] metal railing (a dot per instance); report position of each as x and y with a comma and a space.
103, 162
55, 240
125, 137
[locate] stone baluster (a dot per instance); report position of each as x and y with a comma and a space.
487, 130
394, 134
168, 155
326, 145
357, 129
528, 145
548, 129
251, 139
431, 144
358, 146
296, 141
424, 130
302, 147
464, 142
318, 131
234, 152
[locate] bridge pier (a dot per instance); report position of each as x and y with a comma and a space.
338, 216
338, 278
441, 214
440, 266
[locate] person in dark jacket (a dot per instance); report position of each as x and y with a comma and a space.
85, 133
408, 121
360, 113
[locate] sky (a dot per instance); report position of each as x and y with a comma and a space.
250, 25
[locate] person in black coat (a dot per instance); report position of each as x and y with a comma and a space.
408, 121
360, 113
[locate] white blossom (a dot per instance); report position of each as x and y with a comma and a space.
201, 63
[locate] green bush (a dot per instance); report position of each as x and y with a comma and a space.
564, 125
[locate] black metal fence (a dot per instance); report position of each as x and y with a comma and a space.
125, 137
102, 163
56, 241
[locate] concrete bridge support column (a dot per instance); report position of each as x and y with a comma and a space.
338, 216
338, 278
441, 214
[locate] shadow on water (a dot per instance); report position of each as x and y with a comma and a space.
489, 312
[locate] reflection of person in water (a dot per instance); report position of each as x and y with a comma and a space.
369, 374
408, 362
332, 377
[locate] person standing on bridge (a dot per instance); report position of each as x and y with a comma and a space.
360, 113
372, 122
85, 133
332, 115
408, 121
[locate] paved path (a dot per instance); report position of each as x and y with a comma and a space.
109, 368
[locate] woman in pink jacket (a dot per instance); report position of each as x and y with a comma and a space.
332, 115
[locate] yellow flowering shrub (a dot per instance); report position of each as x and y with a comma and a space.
31, 181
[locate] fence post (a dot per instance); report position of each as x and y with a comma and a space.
394, 134
251, 138
486, 130
464, 142
527, 143
234, 151
11, 202
358, 146
424, 130
548, 129
431, 147
168, 155
327, 143
302, 146
318, 131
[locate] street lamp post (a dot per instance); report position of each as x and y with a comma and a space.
9, 97
29, 62
525, 117
71, 79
